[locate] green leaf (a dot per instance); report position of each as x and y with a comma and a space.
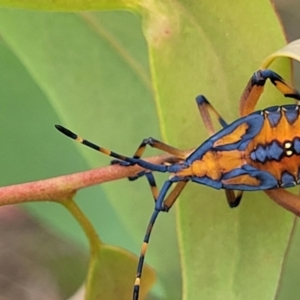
67, 5
110, 275
109, 267
205, 48
291, 50
71, 69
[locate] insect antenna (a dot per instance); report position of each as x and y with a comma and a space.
131, 160
89, 144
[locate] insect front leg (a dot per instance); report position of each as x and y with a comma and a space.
206, 109
163, 202
171, 198
255, 88
154, 143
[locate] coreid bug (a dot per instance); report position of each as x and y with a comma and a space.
259, 151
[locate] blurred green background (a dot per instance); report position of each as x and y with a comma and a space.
117, 72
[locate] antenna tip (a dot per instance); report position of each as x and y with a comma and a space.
66, 131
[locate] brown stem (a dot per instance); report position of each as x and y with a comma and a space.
62, 187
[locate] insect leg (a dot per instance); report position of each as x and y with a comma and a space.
255, 88
205, 109
154, 143
178, 154
233, 198
162, 203
152, 183
174, 194
285, 199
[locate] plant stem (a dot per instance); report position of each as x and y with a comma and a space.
64, 187
84, 223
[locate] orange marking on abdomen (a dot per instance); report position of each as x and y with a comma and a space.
276, 168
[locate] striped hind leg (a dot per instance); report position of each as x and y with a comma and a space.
255, 88
206, 109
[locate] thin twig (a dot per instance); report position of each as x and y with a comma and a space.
62, 187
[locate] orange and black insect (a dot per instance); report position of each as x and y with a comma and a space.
259, 151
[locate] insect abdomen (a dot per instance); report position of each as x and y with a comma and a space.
276, 148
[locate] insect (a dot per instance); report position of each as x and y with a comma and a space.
259, 151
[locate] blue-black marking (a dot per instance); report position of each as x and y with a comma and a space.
273, 151
265, 179
287, 179
273, 116
274, 113
296, 143
291, 113
260, 154
254, 122
207, 181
